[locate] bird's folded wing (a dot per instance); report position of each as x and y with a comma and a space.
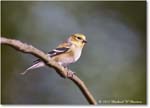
58, 51
54, 52
62, 48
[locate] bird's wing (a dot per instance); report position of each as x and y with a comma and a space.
58, 51
62, 48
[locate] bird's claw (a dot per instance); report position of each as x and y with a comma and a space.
70, 74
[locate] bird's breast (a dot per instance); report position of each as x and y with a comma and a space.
77, 54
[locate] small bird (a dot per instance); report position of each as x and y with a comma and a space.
65, 53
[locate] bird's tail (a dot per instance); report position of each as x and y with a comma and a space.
34, 66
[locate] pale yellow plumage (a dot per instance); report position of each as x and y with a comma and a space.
66, 53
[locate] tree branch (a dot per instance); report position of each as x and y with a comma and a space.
23, 47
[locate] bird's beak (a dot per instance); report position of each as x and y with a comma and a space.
84, 41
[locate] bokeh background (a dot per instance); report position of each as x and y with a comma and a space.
112, 65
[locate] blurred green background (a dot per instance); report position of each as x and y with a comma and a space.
112, 65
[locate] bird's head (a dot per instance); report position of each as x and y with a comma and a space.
78, 39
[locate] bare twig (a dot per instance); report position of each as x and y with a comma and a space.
23, 47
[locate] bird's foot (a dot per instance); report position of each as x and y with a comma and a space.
70, 74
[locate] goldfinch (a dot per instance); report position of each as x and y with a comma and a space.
66, 53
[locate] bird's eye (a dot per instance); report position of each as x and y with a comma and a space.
79, 38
